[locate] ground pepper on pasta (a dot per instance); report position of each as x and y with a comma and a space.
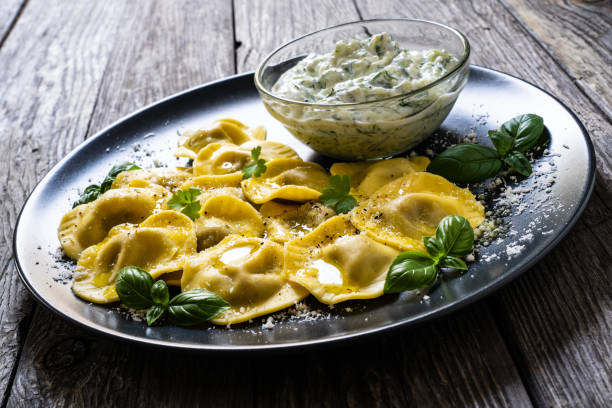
262, 243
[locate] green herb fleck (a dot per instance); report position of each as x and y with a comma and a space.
257, 168
187, 202
337, 195
93, 191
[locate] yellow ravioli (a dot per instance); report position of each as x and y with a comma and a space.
224, 215
167, 177
405, 210
88, 224
336, 262
287, 179
221, 131
247, 273
366, 178
159, 245
284, 222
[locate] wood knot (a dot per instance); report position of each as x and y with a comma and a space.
66, 353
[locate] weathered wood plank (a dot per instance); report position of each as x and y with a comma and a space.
9, 12
457, 361
578, 34
49, 77
529, 307
65, 366
157, 49
261, 26
400, 371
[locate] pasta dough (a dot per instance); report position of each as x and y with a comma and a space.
402, 212
221, 131
89, 223
159, 245
287, 179
247, 273
262, 243
336, 263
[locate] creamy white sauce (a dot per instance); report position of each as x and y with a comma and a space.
362, 71
366, 71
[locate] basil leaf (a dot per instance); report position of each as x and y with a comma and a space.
526, 130
456, 235
195, 306
159, 293
434, 247
90, 193
133, 286
410, 270
519, 163
466, 163
154, 313
453, 262
114, 172
502, 141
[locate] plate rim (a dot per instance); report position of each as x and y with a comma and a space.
405, 323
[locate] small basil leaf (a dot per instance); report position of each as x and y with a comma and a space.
519, 163
452, 262
195, 306
466, 163
434, 247
90, 193
456, 235
526, 130
410, 270
133, 286
159, 293
114, 172
502, 141
154, 313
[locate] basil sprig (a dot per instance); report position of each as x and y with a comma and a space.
93, 191
137, 290
411, 270
471, 163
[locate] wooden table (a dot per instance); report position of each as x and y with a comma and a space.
69, 68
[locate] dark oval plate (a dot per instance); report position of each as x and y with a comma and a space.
547, 205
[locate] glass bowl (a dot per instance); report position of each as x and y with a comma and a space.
373, 129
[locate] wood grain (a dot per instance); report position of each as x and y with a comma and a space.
578, 35
556, 294
157, 49
49, 77
9, 13
262, 26
457, 361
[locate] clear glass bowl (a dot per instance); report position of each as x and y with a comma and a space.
373, 129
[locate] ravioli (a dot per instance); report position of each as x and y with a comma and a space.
405, 210
167, 177
229, 159
221, 131
89, 223
245, 272
366, 178
287, 179
336, 262
225, 215
159, 245
284, 222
